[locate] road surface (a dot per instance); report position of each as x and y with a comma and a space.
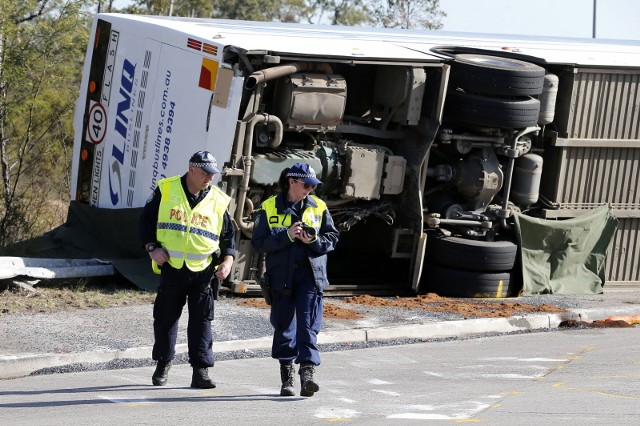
563, 377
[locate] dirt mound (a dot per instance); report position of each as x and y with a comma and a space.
330, 310
467, 308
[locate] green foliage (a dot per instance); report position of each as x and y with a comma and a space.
334, 12
42, 44
342, 12
250, 10
384, 13
406, 14
189, 8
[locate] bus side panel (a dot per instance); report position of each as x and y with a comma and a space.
113, 117
179, 117
147, 107
193, 108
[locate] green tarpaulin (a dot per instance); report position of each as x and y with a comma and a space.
565, 256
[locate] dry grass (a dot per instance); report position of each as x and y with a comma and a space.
57, 295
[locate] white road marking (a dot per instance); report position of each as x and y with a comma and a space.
513, 358
456, 411
511, 376
521, 367
336, 413
378, 382
472, 375
126, 400
422, 416
384, 392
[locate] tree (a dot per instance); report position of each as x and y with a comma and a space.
188, 8
41, 43
334, 12
384, 13
340, 12
406, 14
250, 10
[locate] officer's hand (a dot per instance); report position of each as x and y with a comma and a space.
295, 231
224, 269
159, 255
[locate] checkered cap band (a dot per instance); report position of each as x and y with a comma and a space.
202, 165
301, 175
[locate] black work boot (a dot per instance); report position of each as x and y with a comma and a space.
309, 386
161, 374
286, 374
200, 378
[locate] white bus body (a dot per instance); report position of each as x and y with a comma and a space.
401, 131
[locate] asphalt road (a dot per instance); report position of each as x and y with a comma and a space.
562, 377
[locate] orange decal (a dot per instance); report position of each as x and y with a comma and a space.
208, 74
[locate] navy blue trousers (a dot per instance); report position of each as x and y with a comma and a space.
177, 287
297, 319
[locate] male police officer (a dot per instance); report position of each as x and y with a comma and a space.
187, 231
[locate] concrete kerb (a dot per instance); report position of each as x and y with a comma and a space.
14, 366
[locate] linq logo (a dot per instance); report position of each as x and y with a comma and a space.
121, 126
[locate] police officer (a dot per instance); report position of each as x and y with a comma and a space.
188, 234
295, 230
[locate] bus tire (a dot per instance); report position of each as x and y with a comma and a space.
491, 112
469, 254
494, 75
450, 282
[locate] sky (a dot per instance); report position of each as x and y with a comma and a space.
615, 19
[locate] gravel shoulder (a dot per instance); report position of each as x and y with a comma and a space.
236, 318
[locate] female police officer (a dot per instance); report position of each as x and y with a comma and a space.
295, 230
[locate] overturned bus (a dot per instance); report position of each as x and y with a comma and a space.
428, 143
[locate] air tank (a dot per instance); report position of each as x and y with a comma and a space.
548, 99
527, 173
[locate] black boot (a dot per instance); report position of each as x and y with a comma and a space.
286, 374
161, 374
309, 386
201, 380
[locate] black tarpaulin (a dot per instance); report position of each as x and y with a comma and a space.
95, 233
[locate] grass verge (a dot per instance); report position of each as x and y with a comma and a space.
83, 293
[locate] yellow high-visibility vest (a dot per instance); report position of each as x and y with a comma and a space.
189, 236
312, 216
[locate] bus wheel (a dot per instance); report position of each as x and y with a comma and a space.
491, 112
449, 282
493, 75
469, 254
